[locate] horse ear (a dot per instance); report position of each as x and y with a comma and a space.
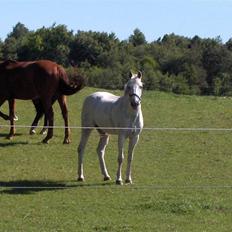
130, 74
139, 74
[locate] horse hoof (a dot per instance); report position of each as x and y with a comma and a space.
16, 118
32, 132
67, 141
43, 132
106, 178
80, 179
9, 137
45, 141
119, 182
128, 181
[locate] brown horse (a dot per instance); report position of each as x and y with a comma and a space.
43, 82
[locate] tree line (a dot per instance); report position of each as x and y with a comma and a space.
172, 63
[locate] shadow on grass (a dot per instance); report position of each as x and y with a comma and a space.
8, 142
33, 186
4, 135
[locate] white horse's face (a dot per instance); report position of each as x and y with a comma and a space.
133, 89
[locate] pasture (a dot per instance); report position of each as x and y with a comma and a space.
182, 179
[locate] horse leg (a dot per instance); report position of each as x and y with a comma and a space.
2, 115
45, 126
50, 116
64, 110
35, 123
39, 113
44, 129
84, 138
11, 103
121, 140
132, 143
104, 139
13, 106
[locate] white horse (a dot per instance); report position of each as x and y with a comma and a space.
111, 114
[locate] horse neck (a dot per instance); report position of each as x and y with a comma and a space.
133, 117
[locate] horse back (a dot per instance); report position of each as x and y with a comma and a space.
29, 79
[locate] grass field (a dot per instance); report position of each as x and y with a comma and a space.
182, 179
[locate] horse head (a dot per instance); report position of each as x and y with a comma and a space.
133, 89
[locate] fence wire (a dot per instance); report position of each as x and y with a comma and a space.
131, 128
114, 186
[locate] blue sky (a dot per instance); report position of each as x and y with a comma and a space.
155, 18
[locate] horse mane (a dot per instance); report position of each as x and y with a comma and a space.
5, 63
10, 61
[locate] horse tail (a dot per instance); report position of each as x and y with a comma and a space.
69, 86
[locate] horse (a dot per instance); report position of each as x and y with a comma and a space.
32, 80
111, 114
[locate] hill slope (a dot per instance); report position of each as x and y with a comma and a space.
182, 179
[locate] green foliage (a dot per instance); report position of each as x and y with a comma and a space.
172, 63
108, 78
19, 30
137, 38
10, 49
1, 50
32, 47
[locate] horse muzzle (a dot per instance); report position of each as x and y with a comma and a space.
135, 105
135, 101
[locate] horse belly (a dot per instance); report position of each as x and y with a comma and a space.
25, 93
97, 112
102, 119
102, 116
22, 86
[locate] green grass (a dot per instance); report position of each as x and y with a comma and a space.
182, 179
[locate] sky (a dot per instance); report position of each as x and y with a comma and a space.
155, 18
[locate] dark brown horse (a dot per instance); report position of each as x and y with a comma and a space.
42, 81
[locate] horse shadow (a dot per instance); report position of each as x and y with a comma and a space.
4, 135
10, 143
34, 186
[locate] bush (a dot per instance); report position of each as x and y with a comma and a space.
104, 78
180, 85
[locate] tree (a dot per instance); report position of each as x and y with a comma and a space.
92, 47
56, 42
19, 30
10, 49
216, 60
14, 41
137, 38
1, 49
171, 63
32, 47
229, 44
